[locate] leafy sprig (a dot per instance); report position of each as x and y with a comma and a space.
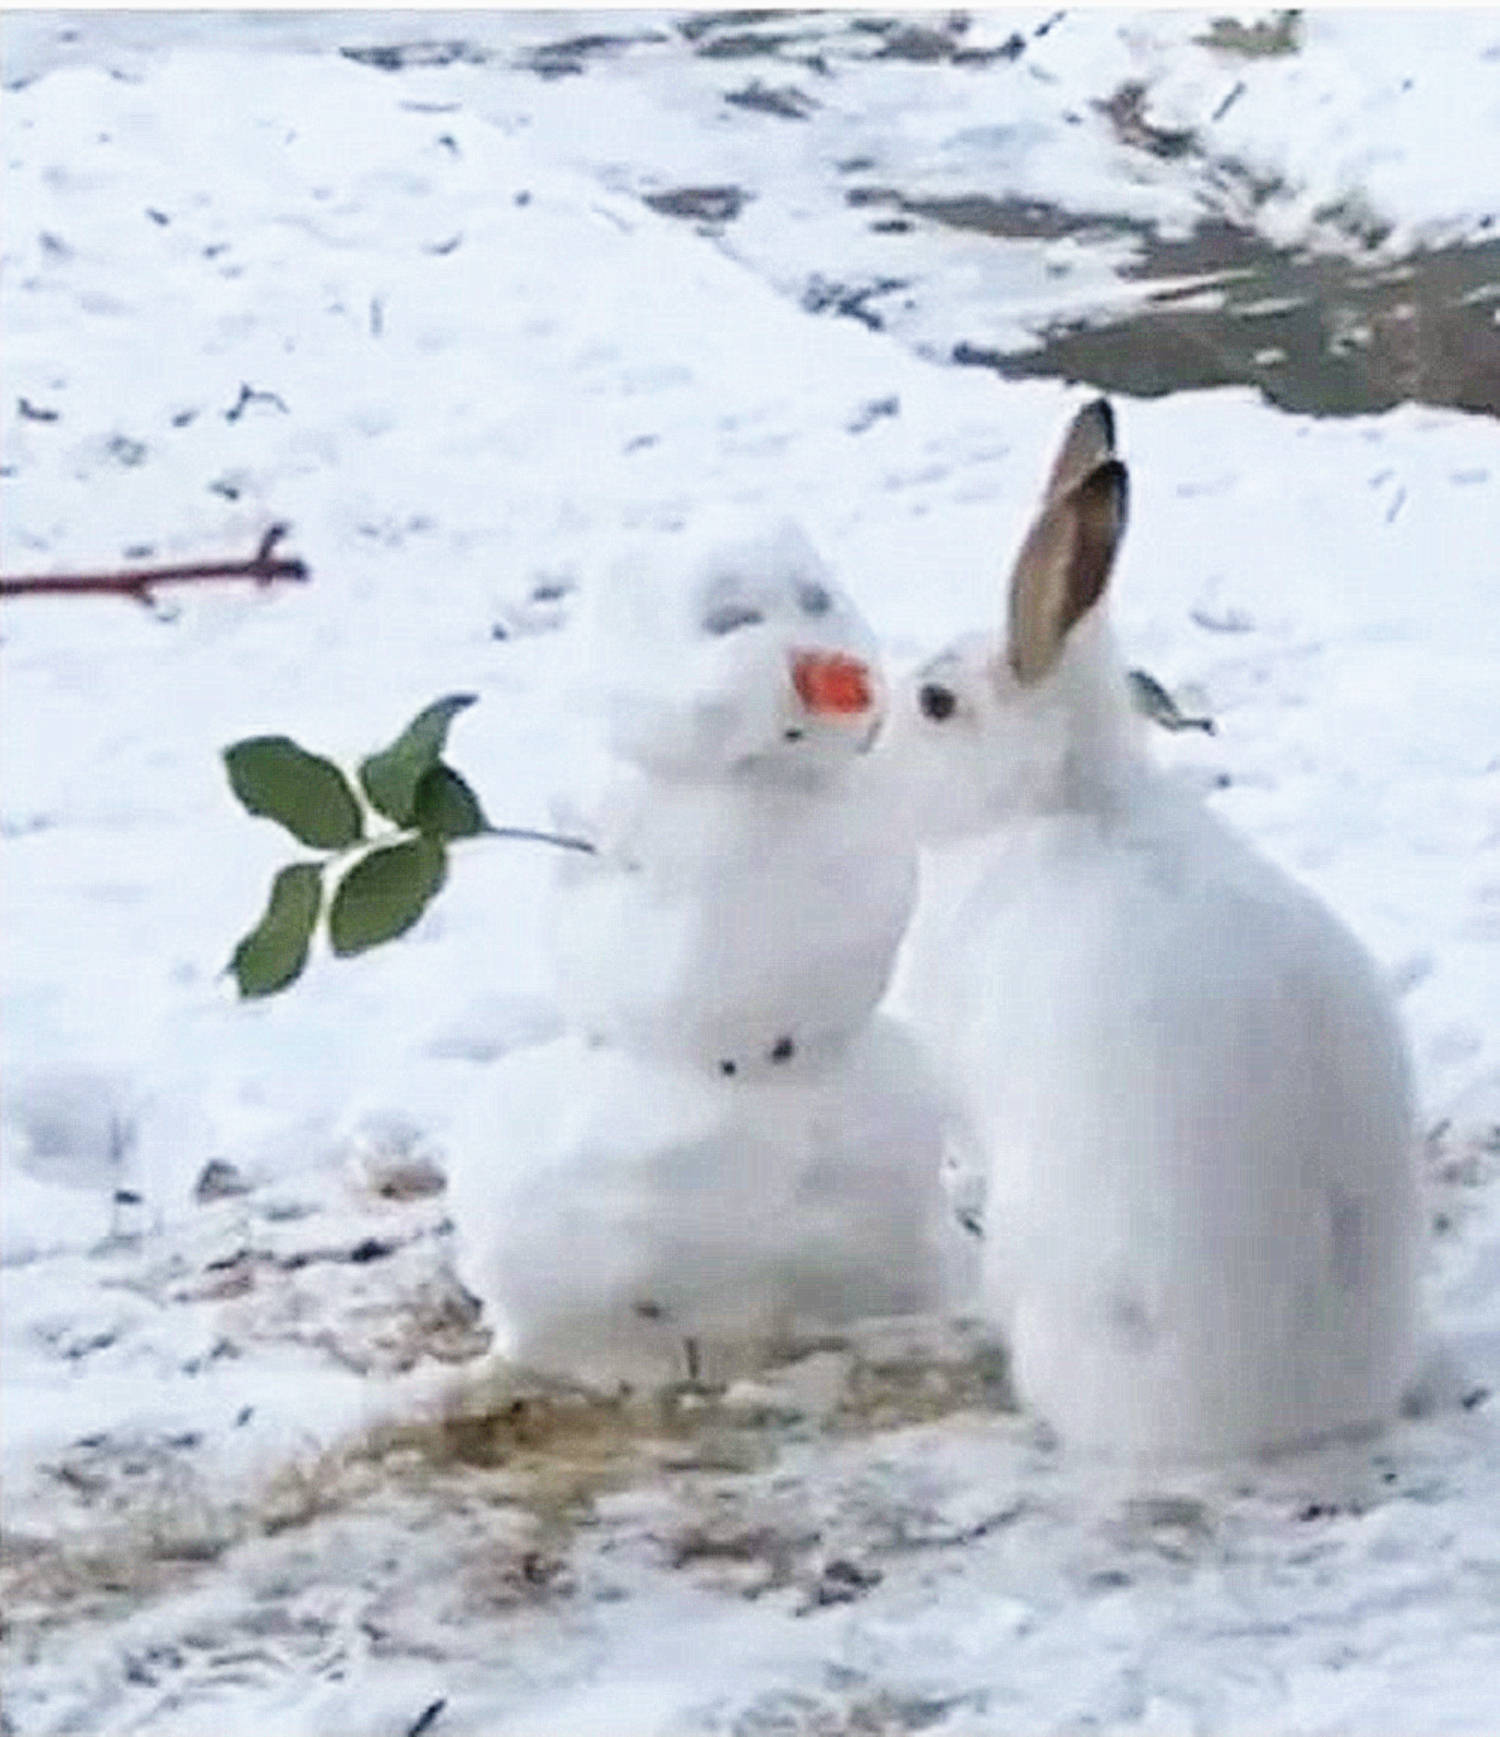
397, 869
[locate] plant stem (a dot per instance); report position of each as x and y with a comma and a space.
561, 840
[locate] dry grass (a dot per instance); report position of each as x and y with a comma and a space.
534, 1429
542, 1451
117, 1565
1279, 33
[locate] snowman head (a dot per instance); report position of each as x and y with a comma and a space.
728, 650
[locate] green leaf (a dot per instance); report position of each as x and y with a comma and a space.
391, 777
273, 954
384, 894
446, 807
308, 795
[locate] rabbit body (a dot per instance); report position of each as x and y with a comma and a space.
1193, 1102
1180, 1075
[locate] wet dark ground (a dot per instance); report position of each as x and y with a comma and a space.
1323, 334
1320, 334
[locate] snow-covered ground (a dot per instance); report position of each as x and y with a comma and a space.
477, 359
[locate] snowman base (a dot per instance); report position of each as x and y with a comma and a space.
652, 1224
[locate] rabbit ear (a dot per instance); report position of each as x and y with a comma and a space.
1064, 566
1089, 441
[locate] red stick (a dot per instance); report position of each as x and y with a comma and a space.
264, 567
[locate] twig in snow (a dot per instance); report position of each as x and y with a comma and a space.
428, 1717
1229, 101
264, 567
248, 396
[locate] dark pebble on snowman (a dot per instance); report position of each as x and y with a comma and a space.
728, 1069
783, 1050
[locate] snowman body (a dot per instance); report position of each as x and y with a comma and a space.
737, 926
746, 888
729, 1149
667, 1223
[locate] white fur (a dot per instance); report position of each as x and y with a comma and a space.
1182, 1076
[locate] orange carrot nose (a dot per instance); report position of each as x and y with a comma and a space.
829, 682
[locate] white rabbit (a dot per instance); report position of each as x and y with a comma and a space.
1182, 1075
749, 889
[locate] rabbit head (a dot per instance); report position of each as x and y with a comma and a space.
1035, 718
732, 648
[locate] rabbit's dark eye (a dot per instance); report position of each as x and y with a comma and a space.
728, 616
814, 598
937, 702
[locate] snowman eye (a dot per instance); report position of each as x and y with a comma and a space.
937, 702
728, 616
814, 598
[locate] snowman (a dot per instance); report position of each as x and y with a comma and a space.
729, 1151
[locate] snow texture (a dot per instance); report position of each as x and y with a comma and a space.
428, 316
